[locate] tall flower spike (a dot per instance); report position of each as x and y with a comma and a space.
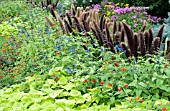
78, 12
122, 37
79, 28
93, 14
146, 38
75, 20
99, 33
56, 3
42, 4
125, 50
130, 38
114, 27
49, 2
73, 12
85, 16
49, 22
136, 46
52, 11
97, 37
86, 26
142, 44
143, 28
150, 40
168, 47
69, 27
156, 44
61, 23
107, 21
120, 26
97, 17
69, 19
101, 22
160, 32
109, 39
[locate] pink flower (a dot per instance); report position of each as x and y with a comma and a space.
141, 20
135, 25
133, 17
113, 17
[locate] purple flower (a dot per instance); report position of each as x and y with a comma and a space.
155, 17
113, 17
133, 17
145, 13
141, 21
69, 11
138, 8
73, 2
135, 25
129, 27
148, 16
97, 6
118, 11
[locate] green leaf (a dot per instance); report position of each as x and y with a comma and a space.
153, 78
135, 76
35, 107
80, 100
165, 88
54, 94
128, 91
58, 69
63, 80
142, 84
59, 109
87, 97
138, 92
112, 99
75, 93
64, 94
50, 81
133, 83
159, 82
69, 86
17, 105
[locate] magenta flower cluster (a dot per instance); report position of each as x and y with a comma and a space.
96, 7
122, 10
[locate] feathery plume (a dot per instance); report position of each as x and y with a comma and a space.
61, 23
160, 32
101, 21
130, 38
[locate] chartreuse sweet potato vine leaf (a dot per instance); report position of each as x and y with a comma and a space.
54, 94
63, 80
75, 93
63, 95
68, 86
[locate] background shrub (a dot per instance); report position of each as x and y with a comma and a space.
87, 3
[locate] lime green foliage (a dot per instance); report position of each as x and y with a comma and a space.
48, 93
9, 9
9, 27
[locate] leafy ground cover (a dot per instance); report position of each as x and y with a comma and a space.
43, 67
59, 91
